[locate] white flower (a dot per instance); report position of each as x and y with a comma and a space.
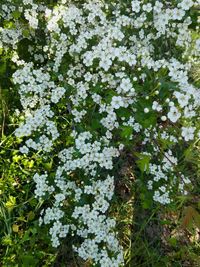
117, 102
182, 99
105, 63
147, 7
186, 4
178, 14
197, 45
24, 150
125, 85
57, 94
189, 112
188, 133
156, 106
121, 147
158, 6
173, 114
135, 6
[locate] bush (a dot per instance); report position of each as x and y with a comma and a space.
100, 83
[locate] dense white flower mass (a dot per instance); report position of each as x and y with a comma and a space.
112, 76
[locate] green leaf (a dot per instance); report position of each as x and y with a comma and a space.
25, 237
126, 131
48, 165
143, 162
15, 228
16, 158
150, 121
30, 164
165, 222
26, 33
146, 200
9, 24
29, 260
95, 124
2, 68
6, 240
173, 241
31, 216
16, 14
10, 204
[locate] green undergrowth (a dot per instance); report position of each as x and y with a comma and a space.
152, 235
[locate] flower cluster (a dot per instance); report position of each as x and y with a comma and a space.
116, 74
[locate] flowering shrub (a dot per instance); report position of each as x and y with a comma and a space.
96, 79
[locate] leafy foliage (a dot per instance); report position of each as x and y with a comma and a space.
149, 131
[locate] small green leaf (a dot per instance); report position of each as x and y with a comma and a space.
2, 68
6, 240
30, 164
29, 260
10, 204
16, 158
26, 33
143, 162
31, 216
48, 165
16, 14
173, 241
15, 228
126, 131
